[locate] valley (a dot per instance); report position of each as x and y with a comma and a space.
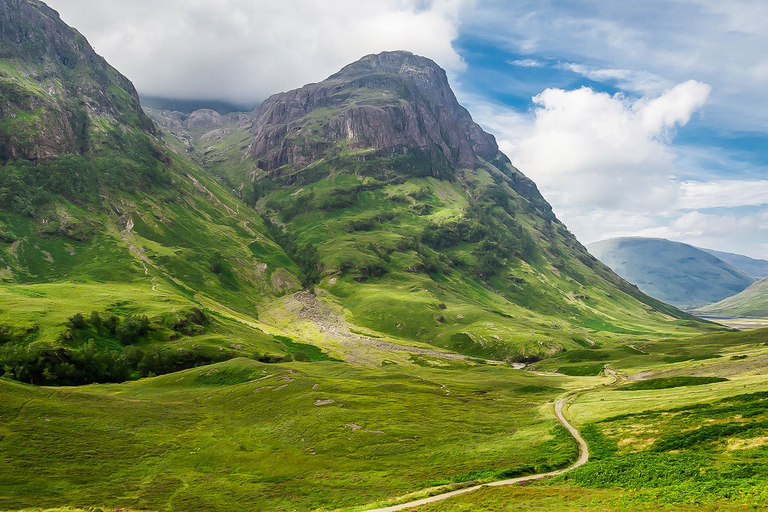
347, 299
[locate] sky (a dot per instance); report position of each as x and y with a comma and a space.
634, 118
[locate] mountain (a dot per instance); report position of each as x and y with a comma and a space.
423, 229
101, 225
752, 302
373, 188
393, 102
754, 267
673, 272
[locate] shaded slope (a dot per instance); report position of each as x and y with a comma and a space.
754, 267
671, 271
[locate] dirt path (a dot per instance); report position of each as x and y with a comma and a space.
583, 458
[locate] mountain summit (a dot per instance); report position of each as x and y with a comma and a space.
391, 101
421, 228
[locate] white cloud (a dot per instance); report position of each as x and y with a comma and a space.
527, 63
245, 51
607, 164
593, 150
673, 108
723, 194
627, 79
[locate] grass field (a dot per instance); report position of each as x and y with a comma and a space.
701, 445
243, 434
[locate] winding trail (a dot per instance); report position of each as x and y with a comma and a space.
583, 458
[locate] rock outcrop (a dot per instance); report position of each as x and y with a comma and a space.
392, 100
205, 118
55, 86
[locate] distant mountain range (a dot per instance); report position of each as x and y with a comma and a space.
754, 267
676, 273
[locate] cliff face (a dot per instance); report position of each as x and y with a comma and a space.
53, 86
393, 100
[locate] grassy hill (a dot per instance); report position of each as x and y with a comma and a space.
671, 271
752, 302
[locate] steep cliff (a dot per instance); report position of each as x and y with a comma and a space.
393, 100
55, 91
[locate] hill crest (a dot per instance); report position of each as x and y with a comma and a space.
674, 272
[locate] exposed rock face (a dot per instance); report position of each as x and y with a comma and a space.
205, 118
390, 100
60, 85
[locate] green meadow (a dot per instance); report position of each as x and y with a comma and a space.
694, 436
304, 436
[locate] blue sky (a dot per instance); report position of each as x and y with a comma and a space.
634, 118
700, 179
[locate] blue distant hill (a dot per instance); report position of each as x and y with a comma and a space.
676, 273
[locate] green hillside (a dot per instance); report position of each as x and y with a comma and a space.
107, 239
752, 302
673, 272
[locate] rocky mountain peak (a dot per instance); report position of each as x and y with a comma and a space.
391, 101
54, 85
422, 72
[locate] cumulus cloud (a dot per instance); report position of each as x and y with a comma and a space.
608, 165
593, 149
244, 51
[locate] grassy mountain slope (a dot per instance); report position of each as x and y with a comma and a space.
671, 271
752, 302
97, 216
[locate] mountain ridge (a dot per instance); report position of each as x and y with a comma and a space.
674, 272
